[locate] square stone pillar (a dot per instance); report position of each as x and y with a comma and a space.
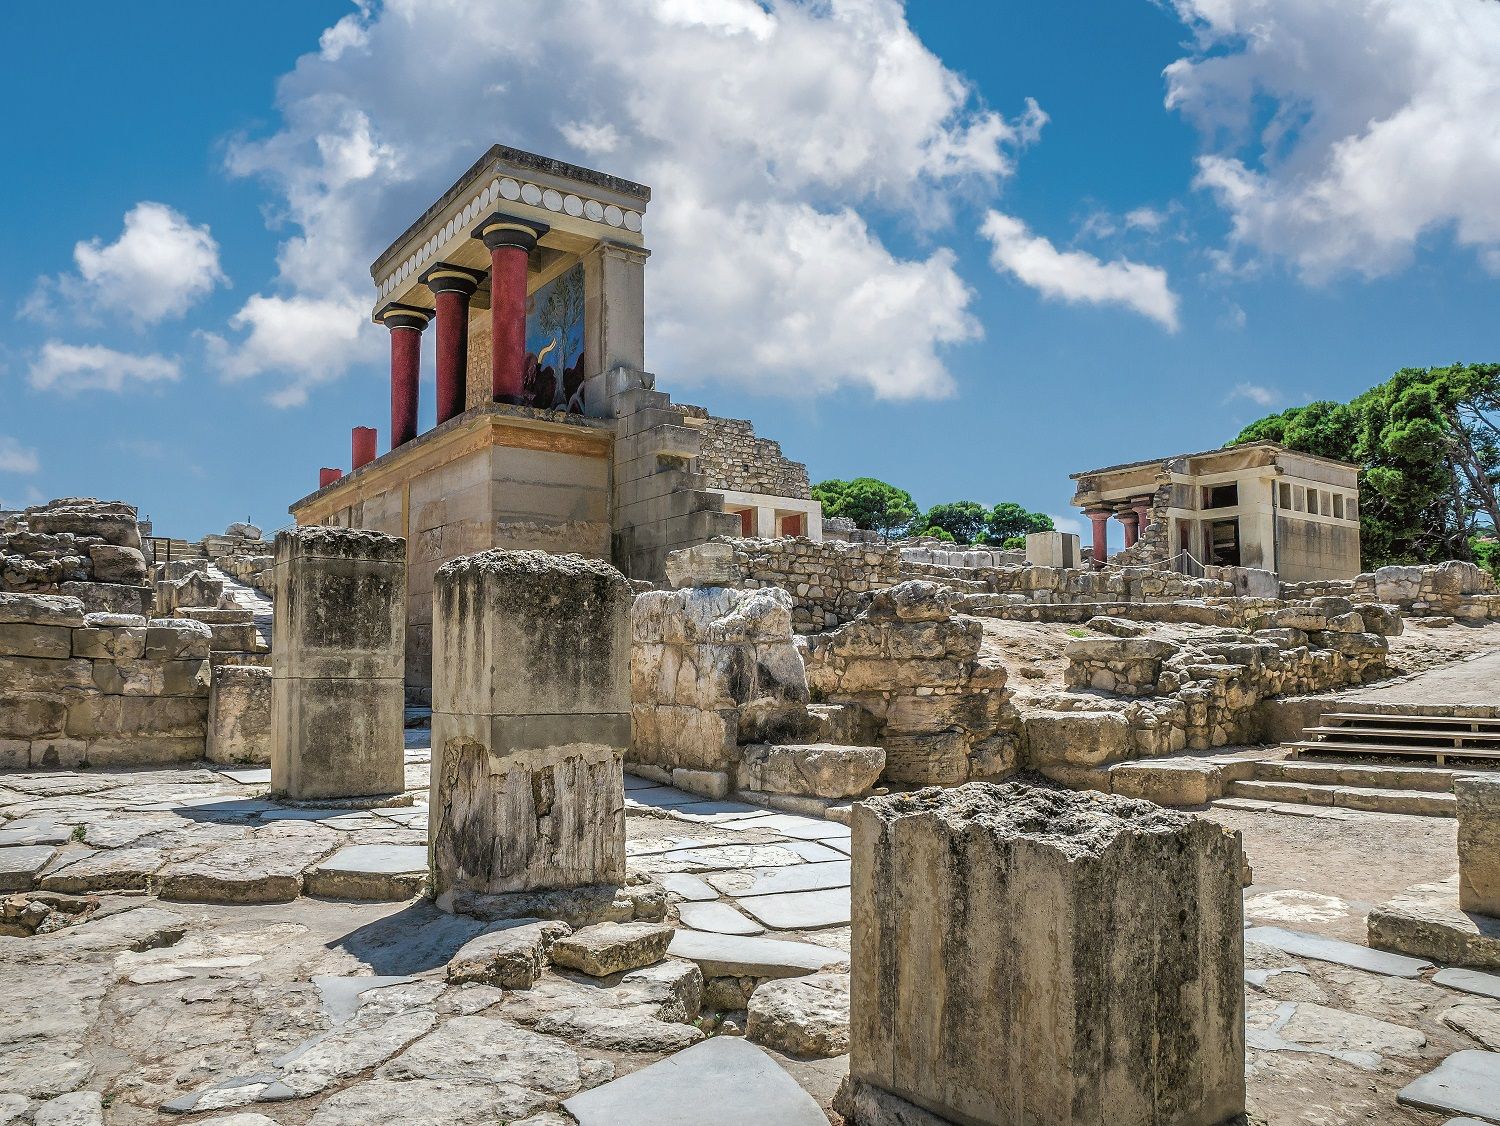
1478, 798
1041, 956
338, 697
614, 294
530, 722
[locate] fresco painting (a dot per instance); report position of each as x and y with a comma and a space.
554, 344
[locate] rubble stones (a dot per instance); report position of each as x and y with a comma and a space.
802, 1016
512, 957
608, 948
818, 770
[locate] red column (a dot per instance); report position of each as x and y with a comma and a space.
510, 241
362, 444
1100, 519
452, 286
327, 476
1142, 506
406, 323
1127, 518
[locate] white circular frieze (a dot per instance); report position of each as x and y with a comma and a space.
573, 205
552, 199
632, 220
531, 194
593, 210
612, 215
510, 189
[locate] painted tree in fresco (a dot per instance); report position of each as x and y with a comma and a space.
561, 316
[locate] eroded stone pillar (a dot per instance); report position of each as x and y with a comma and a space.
1048, 957
338, 664
406, 323
531, 719
452, 286
1478, 798
510, 241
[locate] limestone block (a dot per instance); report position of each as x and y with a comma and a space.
30, 716
512, 957
814, 770
610, 948
94, 716
1029, 955
106, 642
111, 598
176, 639
19, 639
118, 564
1384, 620
40, 610
44, 675
127, 677
531, 718
1076, 738
340, 604
1478, 798
337, 737
706, 564
239, 715
937, 759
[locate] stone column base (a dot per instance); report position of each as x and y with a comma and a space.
864, 1104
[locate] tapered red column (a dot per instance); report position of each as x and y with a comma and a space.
328, 475
1127, 518
406, 323
510, 241
1099, 517
1142, 506
452, 286
362, 446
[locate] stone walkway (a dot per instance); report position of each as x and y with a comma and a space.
1466, 683
248, 598
250, 963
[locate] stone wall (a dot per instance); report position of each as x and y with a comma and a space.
733, 458
942, 713
1200, 693
95, 689
81, 547
1453, 589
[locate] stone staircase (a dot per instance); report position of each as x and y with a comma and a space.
1363, 761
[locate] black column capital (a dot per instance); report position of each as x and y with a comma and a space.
393, 314
500, 229
445, 277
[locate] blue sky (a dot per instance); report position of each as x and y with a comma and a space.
864, 238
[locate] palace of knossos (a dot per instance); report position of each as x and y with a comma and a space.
562, 764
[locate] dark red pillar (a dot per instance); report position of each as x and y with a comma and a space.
362, 445
1127, 518
406, 323
327, 476
1099, 517
1142, 506
451, 287
510, 241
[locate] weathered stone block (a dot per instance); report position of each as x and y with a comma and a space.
40, 610
1478, 798
1031, 955
239, 715
105, 643
177, 639
531, 716
111, 598
814, 770
509, 958
26, 717
44, 676
177, 716
1077, 738
340, 604
18, 639
337, 737
118, 564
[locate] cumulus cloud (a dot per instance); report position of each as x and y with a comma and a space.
70, 368
1076, 276
316, 338
16, 458
1339, 133
159, 268
774, 136
1255, 393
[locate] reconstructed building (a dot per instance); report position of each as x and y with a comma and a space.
550, 434
1255, 505
768, 492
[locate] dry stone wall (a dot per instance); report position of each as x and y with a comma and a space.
733, 458
80, 547
97, 689
942, 712
1454, 589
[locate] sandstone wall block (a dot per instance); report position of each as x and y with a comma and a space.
239, 715
1478, 798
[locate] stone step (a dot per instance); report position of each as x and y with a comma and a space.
1369, 799
1427, 778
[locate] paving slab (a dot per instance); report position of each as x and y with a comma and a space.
743, 1085
687, 887
1464, 1083
636, 782
791, 825
723, 955
800, 910
247, 775
773, 881
369, 872
718, 858
661, 797
717, 810
719, 918
21, 864
1426, 920
1333, 950
1469, 981
814, 851
34, 831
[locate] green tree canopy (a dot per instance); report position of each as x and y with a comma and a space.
1009, 521
1428, 443
872, 504
963, 520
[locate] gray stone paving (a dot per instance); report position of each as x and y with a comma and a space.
1333, 950
1464, 1083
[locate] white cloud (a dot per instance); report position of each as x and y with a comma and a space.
1070, 524
71, 368
1256, 393
1383, 126
1076, 276
773, 136
16, 458
1145, 219
158, 269
316, 339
